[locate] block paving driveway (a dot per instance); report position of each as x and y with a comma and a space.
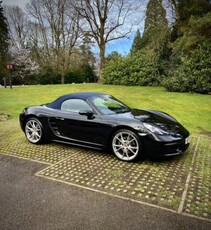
181, 184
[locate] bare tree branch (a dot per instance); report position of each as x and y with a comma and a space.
57, 31
104, 18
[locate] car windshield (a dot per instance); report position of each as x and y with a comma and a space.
108, 105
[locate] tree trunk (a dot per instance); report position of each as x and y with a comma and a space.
62, 79
102, 60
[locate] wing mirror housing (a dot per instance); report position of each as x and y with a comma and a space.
87, 113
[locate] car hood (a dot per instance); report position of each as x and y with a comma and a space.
152, 116
158, 119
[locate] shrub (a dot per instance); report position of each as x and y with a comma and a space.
194, 72
83, 73
130, 70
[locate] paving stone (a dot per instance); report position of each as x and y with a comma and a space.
161, 183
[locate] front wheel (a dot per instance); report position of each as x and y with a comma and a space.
126, 145
34, 131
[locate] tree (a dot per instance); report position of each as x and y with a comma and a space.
19, 27
190, 61
155, 16
190, 29
183, 10
87, 55
55, 33
194, 72
87, 60
155, 31
155, 40
24, 66
112, 56
25, 69
105, 19
198, 31
136, 46
146, 64
4, 36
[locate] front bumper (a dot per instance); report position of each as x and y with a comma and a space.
166, 148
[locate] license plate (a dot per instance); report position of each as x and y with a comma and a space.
187, 140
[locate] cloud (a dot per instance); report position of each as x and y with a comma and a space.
20, 3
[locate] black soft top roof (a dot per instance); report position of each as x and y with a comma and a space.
82, 95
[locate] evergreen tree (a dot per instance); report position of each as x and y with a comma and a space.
184, 10
155, 16
86, 52
189, 64
112, 56
3, 43
136, 46
193, 73
198, 31
155, 32
87, 59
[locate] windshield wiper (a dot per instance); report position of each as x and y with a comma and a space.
124, 111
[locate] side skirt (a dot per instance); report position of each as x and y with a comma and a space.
79, 145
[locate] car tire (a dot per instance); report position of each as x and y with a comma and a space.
126, 145
34, 131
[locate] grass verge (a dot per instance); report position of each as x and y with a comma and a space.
192, 110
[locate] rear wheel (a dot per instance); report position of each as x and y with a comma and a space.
34, 131
126, 145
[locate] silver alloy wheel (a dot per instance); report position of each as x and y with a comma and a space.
125, 145
33, 130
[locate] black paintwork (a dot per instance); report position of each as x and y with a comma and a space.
96, 131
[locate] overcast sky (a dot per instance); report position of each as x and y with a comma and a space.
20, 3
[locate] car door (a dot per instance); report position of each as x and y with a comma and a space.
78, 128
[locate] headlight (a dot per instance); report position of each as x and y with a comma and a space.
154, 129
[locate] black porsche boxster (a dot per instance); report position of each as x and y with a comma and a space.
99, 121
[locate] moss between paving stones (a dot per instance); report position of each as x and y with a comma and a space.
198, 200
161, 183
13, 142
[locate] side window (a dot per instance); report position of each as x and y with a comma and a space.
75, 105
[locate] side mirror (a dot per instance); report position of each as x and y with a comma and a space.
87, 113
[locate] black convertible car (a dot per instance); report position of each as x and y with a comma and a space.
99, 121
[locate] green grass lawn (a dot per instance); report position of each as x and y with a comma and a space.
192, 110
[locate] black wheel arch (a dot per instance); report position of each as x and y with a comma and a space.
26, 118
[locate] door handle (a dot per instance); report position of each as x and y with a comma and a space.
60, 118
